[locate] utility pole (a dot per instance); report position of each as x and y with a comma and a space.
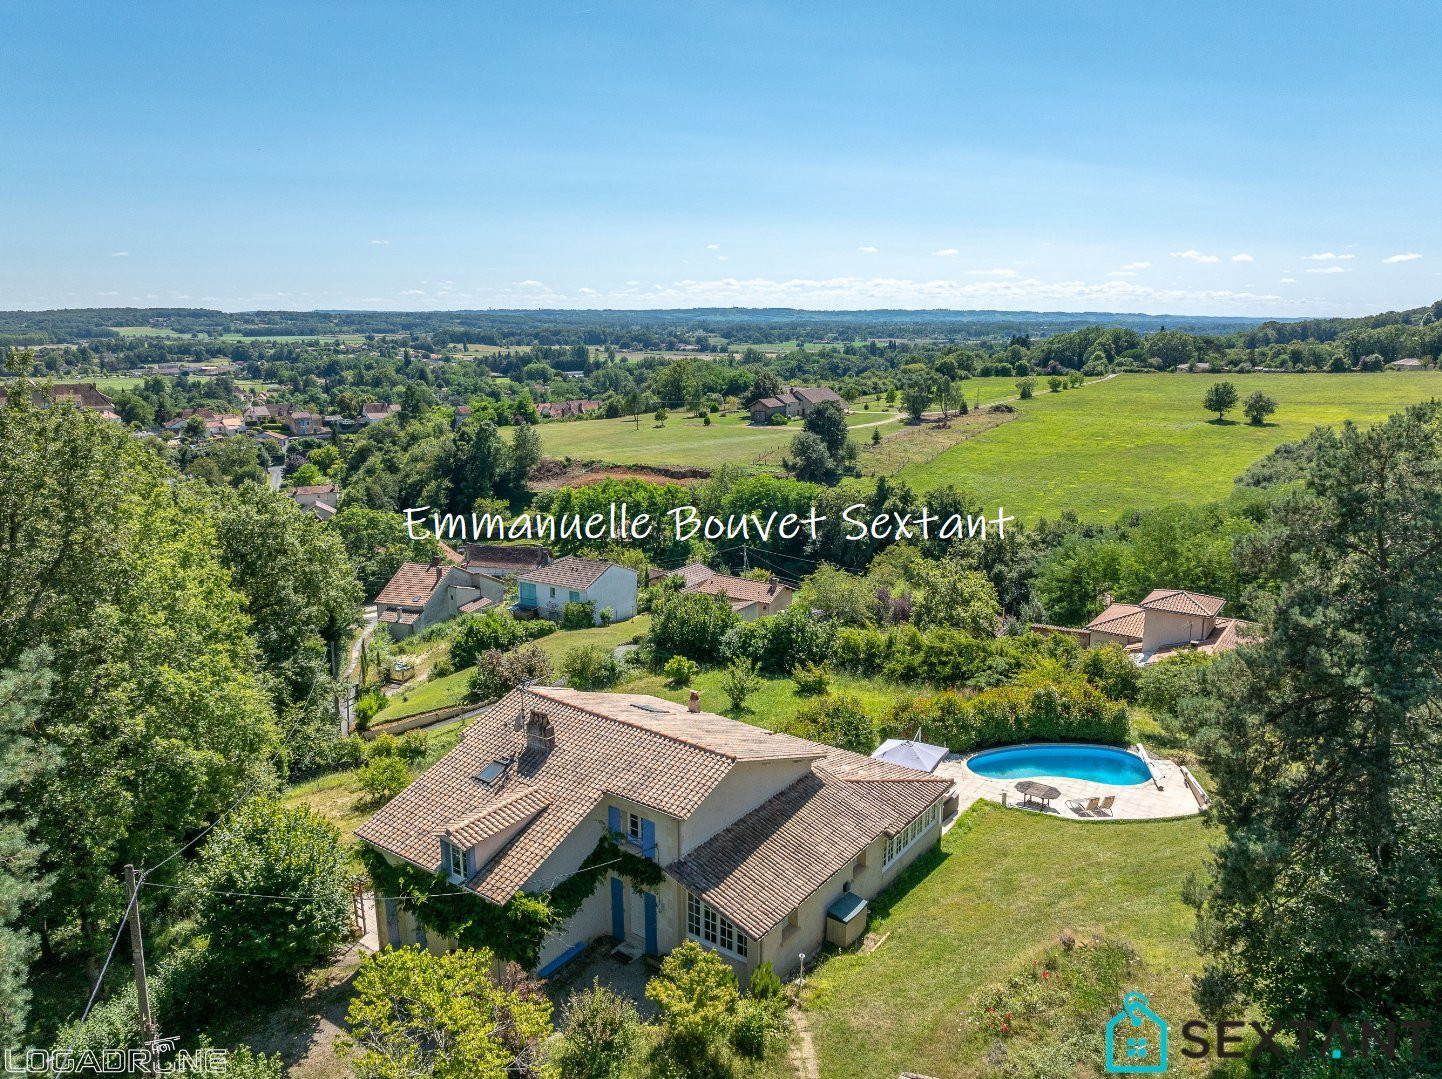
137, 948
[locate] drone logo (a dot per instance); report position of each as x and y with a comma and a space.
1142, 1041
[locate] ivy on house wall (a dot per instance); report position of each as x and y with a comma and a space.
516, 929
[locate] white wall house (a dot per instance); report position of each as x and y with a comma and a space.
547, 589
758, 834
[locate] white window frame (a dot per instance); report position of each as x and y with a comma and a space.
457, 866
711, 929
905, 839
633, 827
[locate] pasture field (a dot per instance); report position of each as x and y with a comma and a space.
165, 331
1000, 891
686, 441
1138, 441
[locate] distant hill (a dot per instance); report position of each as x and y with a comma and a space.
649, 329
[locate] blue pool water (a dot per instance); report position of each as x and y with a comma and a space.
1099, 764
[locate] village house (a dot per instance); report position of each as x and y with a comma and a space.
1410, 363
418, 595
321, 499
1168, 620
83, 395
375, 411
560, 410
769, 845
691, 574
749, 599
795, 402
545, 591
306, 425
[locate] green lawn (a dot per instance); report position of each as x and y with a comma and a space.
1003, 887
776, 702
1138, 441
685, 440
451, 690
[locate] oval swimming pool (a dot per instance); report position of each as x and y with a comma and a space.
1099, 764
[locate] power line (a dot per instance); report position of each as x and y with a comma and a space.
100, 980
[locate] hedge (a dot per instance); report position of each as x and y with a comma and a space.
1009, 714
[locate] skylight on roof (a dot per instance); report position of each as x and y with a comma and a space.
651, 708
492, 772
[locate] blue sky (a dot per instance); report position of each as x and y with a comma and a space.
1273, 158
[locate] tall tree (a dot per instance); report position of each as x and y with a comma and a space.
1323, 899
155, 716
22, 691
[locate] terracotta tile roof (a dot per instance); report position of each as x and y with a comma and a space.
400, 618
1179, 601
412, 586
762, 867
1121, 619
775, 402
691, 574
815, 395
502, 556
738, 589
319, 489
480, 603
593, 754
498, 817
569, 572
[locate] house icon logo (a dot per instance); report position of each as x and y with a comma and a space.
1136, 1038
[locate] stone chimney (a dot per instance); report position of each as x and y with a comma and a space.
435, 560
773, 583
694, 704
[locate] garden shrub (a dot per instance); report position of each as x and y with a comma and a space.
679, 671
693, 625
739, 681
537, 628
697, 997
578, 615
760, 1023
497, 673
601, 1032
590, 667
764, 982
839, 721
783, 641
1112, 670
383, 778
811, 679
478, 633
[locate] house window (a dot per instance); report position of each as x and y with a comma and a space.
575, 597
900, 843
633, 827
553, 592
708, 926
456, 856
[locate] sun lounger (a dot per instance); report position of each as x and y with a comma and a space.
1078, 807
1106, 806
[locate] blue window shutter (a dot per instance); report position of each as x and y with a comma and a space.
648, 838
445, 856
420, 935
613, 817
468, 860
618, 909
652, 945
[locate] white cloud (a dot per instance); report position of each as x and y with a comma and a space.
1243, 257
1408, 257
380, 243
993, 273
1327, 269
1137, 266
412, 292
722, 258
589, 292
119, 254
1193, 255
1327, 256
1289, 280
713, 247
868, 249
945, 252
1121, 273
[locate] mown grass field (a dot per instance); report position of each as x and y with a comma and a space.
1003, 887
775, 702
686, 441
1137, 441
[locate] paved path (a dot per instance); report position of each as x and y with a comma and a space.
1139, 802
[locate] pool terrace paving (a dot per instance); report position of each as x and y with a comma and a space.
1141, 801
